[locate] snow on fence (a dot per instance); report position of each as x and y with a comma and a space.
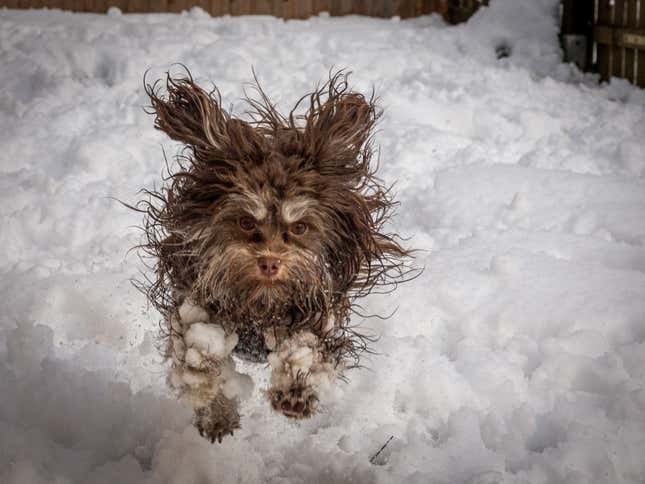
452, 10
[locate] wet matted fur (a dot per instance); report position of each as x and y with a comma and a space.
270, 227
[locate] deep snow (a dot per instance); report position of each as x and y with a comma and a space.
518, 355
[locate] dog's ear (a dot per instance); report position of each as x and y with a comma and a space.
195, 117
338, 128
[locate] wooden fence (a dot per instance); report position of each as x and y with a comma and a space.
619, 33
606, 36
452, 10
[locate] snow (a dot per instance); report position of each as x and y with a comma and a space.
516, 357
190, 313
210, 340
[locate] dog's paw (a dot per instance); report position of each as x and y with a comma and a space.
217, 420
298, 402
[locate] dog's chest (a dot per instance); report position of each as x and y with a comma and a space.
251, 344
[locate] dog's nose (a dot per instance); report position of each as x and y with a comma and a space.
269, 266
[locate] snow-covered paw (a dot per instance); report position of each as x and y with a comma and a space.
217, 420
297, 402
209, 340
300, 375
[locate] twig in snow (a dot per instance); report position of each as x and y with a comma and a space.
373, 458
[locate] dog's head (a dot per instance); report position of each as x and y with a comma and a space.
274, 216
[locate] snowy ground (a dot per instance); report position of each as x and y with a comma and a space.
518, 356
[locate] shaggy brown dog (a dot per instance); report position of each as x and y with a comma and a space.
263, 237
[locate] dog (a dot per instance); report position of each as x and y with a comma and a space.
263, 237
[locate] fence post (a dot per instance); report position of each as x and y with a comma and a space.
576, 33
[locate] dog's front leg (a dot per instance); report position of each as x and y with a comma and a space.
302, 370
204, 373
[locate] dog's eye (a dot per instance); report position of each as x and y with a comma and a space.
299, 228
247, 223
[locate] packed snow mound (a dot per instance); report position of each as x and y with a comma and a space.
525, 32
516, 357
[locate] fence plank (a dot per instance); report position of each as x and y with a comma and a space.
630, 21
434, 6
628, 54
387, 8
366, 7
407, 8
632, 14
305, 8
640, 74
120, 4
33, 4
617, 52
360, 7
54, 4
288, 9
240, 7
176, 6
261, 7
138, 6
203, 4
379, 8
278, 8
321, 6
603, 50
98, 6
383, 8
340, 7
219, 8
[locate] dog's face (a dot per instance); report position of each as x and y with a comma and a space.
273, 218
266, 248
